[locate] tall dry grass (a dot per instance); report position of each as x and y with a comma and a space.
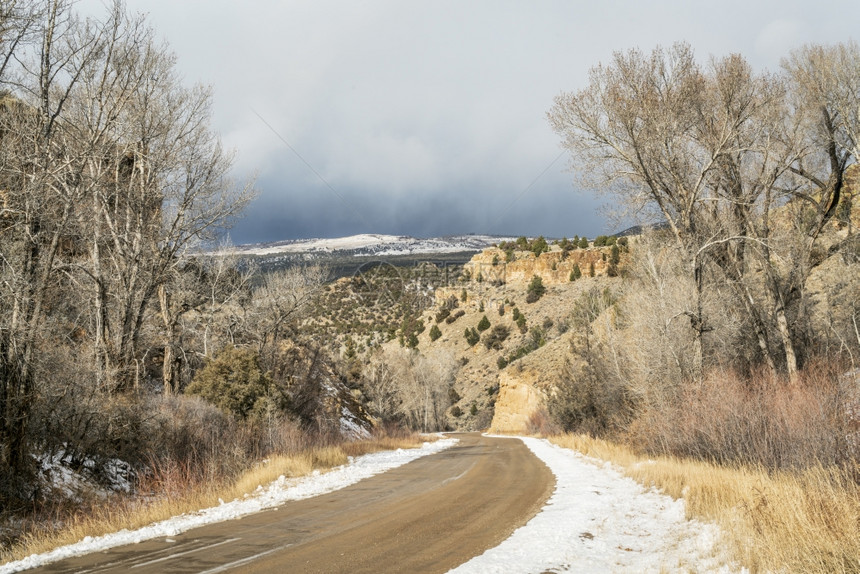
176, 490
774, 521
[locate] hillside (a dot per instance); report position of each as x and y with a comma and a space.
486, 391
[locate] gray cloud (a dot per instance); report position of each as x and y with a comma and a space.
427, 118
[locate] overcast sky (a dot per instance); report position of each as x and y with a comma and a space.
428, 118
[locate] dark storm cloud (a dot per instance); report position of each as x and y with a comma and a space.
428, 118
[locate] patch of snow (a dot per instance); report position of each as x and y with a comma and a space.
598, 520
276, 493
73, 481
351, 427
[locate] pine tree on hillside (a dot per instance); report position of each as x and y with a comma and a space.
435, 333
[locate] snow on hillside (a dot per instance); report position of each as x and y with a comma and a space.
372, 244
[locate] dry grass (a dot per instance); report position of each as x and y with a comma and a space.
798, 521
135, 513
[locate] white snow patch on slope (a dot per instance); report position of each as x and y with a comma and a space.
374, 244
274, 494
600, 521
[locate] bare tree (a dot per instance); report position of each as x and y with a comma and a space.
110, 175
380, 382
634, 131
415, 385
280, 302
718, 153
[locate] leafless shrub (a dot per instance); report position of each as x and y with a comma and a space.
761, 420
542, 423
591, 400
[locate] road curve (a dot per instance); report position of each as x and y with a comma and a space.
427, 516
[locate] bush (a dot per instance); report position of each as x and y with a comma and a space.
515, 314
472, 337
535, 289
612, 270
521, 323
583, 243
576, 272
483, 324
495, 338
538, 336
502, 362
455, 316
762, 420
234, 382
587, 403
591, 269
456, 412
501, 309
442, 315
435, 333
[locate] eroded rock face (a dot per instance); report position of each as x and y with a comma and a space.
519, 398
553, 267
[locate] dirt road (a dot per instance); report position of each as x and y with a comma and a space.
426, 516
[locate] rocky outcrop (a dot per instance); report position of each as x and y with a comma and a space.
519, 398
553, 267
525, 385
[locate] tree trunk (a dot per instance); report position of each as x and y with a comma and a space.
169, 366
788, 345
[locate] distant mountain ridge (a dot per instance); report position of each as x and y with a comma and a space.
369, 244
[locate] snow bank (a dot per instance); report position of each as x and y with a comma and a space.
600, 521
276, 493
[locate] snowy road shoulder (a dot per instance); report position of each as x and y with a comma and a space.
276, 493
598, 520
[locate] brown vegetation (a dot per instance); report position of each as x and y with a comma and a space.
181, 490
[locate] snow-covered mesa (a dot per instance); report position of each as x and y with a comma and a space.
373, 244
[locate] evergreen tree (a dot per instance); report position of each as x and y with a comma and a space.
539, 246
535, 289
435, 333
472, 337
